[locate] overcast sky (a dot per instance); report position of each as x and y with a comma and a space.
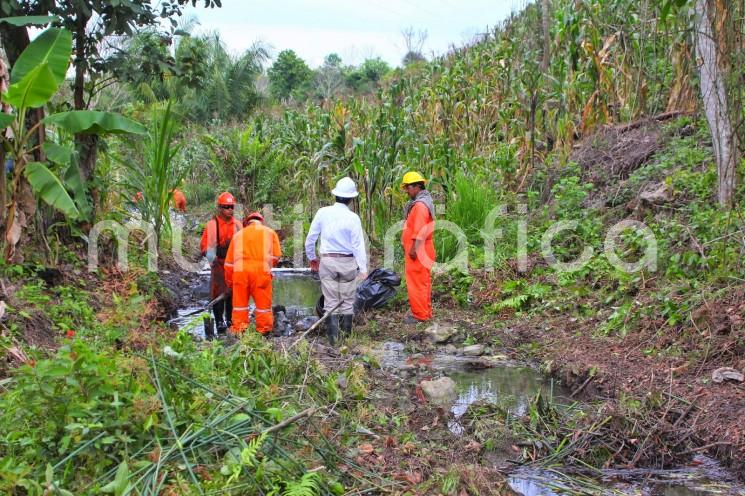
355, 30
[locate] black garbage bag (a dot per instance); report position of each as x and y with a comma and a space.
383, 276
374, 292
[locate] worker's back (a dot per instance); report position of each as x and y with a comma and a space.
254, 248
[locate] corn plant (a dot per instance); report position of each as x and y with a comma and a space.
152, 178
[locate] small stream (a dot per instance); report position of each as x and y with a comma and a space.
508, 384
512, 386
704, 478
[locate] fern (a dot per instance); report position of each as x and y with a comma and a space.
248, 455
525, 294
308, 485
514, 302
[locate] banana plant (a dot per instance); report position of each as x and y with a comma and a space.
34, 79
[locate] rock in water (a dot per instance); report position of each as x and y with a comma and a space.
441, 391
305, 323
473, 350
440, 333
727, 373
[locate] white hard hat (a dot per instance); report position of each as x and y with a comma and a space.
345, 188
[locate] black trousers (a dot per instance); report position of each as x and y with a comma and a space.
223, 308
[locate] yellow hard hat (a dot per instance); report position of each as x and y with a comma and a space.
411, 178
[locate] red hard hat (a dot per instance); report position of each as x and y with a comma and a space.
254, 216
225, 198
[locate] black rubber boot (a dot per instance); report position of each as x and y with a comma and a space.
332, 329
217, 310
346, 324
209, 329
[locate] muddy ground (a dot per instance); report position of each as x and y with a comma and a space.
687, 412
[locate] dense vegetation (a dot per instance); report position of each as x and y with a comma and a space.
575, 111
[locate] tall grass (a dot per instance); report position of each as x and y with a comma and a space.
468, 204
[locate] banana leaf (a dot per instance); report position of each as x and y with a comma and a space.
52, 47
50, 188
95, 122
34, 90
30, 20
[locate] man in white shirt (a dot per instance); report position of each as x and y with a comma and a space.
343, 259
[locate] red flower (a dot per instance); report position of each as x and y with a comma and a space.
70, 333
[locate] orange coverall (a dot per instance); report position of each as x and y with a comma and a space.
419, 226
179, 200
251, 255
220, 240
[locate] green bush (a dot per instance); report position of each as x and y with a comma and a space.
79, 401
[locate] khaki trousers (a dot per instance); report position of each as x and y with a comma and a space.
338, 283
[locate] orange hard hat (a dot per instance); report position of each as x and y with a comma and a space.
225, 198
254, 216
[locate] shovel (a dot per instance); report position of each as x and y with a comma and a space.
200, 310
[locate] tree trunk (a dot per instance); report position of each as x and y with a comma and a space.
714, 61
546, 18
80, 62
86, 144
682, 93
14, 40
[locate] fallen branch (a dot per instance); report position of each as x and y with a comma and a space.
308, 412
706, 447
581, 387
684, 414
659, 118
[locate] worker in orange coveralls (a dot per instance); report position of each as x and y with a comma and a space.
215, 242
179, 200
419, 248
251, 255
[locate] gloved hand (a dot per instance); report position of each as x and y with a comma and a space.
315, 265
211, 255
412, 251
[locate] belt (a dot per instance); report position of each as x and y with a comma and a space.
336, 255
